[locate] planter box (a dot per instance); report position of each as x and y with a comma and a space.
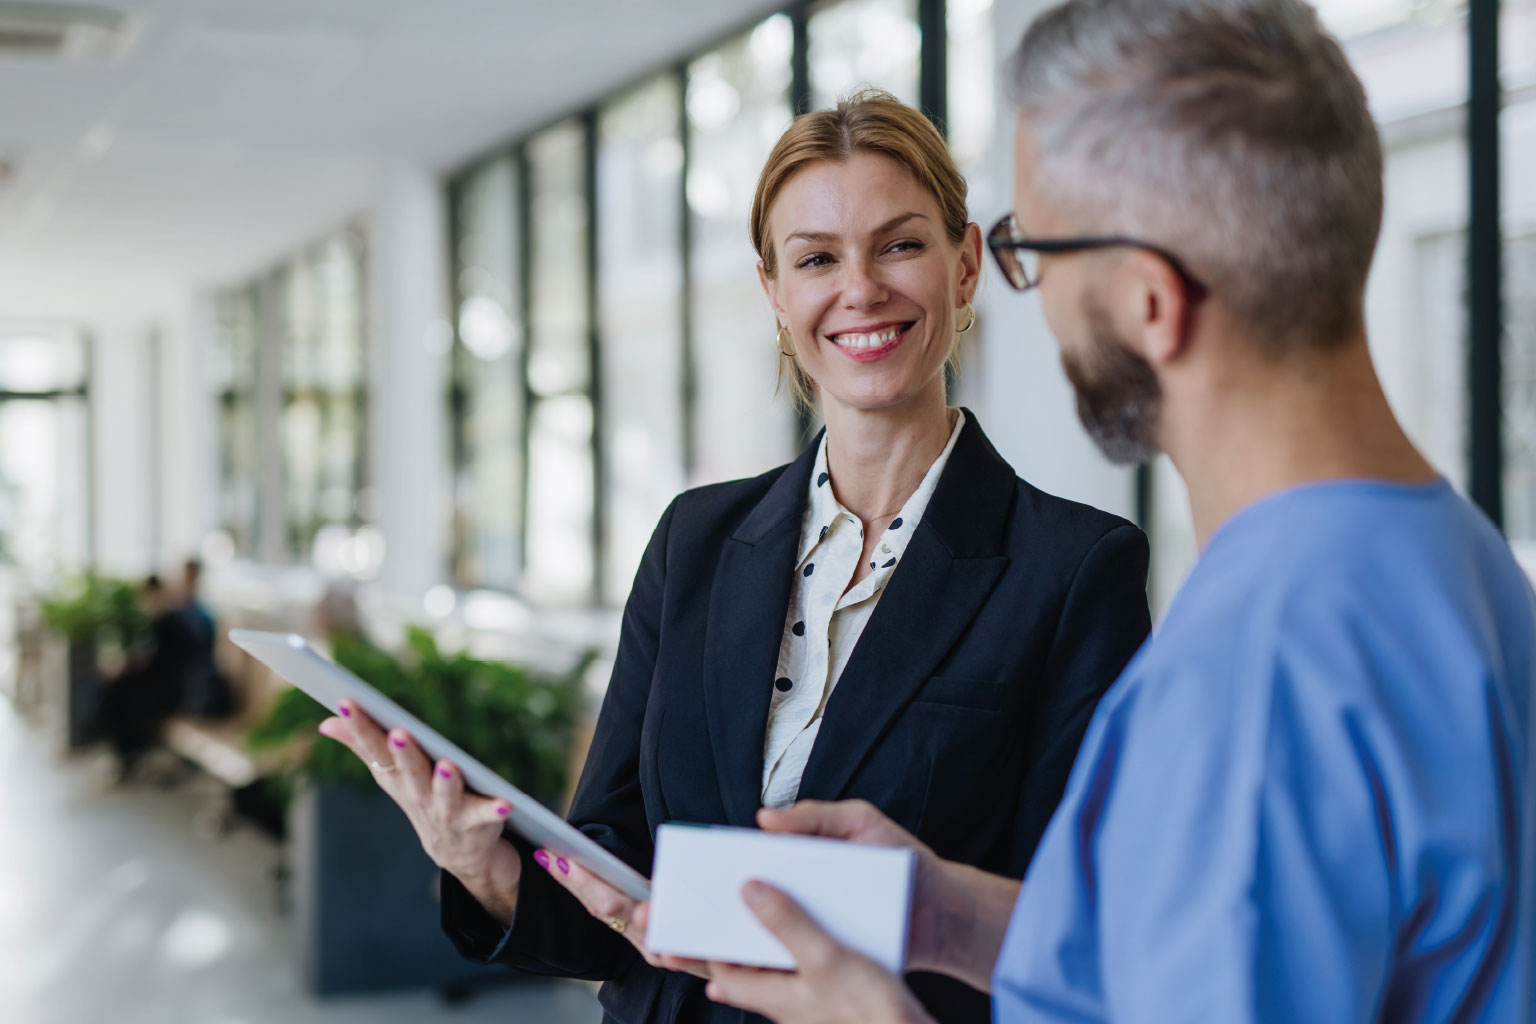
365, 899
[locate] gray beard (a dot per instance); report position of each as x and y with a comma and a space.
1118, 397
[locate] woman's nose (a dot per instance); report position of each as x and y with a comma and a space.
862, 284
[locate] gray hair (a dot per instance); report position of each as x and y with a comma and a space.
1231, 132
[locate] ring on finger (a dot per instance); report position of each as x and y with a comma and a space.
380, 766
618, 924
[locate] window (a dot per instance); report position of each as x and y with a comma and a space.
323, 410
1520, 392
614, 343
640, 313
738, 105
45, 499
236, 369
560, 560
858, 43
487, 381
971, 82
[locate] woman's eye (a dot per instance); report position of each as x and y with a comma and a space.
816, 259
907, 245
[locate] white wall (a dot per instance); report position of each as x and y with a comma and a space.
407, 410
1021, 394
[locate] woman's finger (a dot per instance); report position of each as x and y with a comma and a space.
415, 772
602, 900
368, 739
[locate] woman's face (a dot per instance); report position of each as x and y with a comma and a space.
868, 283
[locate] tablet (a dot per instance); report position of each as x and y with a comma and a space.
289, 656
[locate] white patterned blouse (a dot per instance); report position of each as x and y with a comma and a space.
824, 623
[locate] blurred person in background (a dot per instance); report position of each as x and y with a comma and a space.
136, 702
206, 690
895, 616
1302, 801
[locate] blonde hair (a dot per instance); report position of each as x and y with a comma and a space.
871, 121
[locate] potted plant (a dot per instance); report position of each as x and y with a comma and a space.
100, 620
365, 895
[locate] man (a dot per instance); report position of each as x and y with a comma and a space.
1302, 799
206, 690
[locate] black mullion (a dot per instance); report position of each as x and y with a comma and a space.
933, 66
594, 361
361, 480
690, 381
800, 102
88, 343
799, 61
1485, 269
524, 243
458, 400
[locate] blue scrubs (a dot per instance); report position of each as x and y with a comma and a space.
1302, 800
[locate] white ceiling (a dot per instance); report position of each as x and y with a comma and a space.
233, 130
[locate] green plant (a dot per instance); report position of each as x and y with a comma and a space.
98, 610
517, 722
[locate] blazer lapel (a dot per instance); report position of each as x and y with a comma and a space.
950, 567
747, 604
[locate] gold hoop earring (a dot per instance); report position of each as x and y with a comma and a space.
970, 319
779, 341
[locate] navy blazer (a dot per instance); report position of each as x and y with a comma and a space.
959, 712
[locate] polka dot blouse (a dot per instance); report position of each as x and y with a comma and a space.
823, 623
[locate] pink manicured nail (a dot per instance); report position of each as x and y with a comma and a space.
346, 712
399, 743
563, 865
541, 859
445, 772
503, 811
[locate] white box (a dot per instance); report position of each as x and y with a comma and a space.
861, 895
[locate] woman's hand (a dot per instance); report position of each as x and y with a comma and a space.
460, 831
624, 914
831, 984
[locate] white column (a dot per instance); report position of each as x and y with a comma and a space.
407, 408
1023, 397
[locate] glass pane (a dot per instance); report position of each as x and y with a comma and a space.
339, 273
43, 489
1520, 394
972, 86
859, 43
738, 105
560, 563
488, 379
558, 359
41, 362
324, 365
236, 360
639, 188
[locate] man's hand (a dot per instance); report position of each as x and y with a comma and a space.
959, 913
831, 984
859, 821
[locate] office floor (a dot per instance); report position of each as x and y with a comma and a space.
122, 905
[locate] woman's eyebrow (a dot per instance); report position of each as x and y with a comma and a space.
818, 237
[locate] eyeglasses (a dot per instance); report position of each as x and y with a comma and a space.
1019, 257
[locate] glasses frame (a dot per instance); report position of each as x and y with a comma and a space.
1003, 241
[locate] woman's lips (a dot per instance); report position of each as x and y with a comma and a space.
873, 346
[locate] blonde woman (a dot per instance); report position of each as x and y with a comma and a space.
894, 616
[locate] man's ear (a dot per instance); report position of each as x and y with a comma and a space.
1163, 310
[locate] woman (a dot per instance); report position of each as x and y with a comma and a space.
893, 616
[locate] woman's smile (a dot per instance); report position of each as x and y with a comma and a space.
871, 343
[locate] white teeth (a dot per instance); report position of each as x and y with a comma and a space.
874, 340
